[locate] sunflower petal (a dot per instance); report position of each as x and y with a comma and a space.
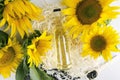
23, 27
68, 11
13, 29
2, 22
19, 29
28, 23
71, 3
106, 55
72, 22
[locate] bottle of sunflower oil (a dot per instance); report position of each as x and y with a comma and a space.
62, 47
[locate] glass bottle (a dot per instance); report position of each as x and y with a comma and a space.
62, 46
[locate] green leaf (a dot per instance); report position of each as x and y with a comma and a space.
20, 72
1, 1
43, 75
3, 39
37, 33
38, 74
25, 66
34, 75
1, 16
1, 4
1, 10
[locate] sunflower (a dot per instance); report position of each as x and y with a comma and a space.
82, 13
18, 15
10, 58
37, 49
100, 41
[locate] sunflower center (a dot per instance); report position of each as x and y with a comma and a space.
37, 44
98, 43
8, 57
88, 11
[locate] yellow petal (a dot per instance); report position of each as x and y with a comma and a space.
23, 27
69, 11
20, 30
77, 33
20, 7
84, 53
1, 54
18, 14
43, 34
73, 29
103, 3
72, 22
34, 8
28, 23
13, 29
8, 10
6, 2
95, 55
24, 7
2, 22
106, 55
31, 47
71, 3
6, 75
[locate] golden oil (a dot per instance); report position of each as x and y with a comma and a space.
62, 46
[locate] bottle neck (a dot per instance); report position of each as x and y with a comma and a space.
58, 20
